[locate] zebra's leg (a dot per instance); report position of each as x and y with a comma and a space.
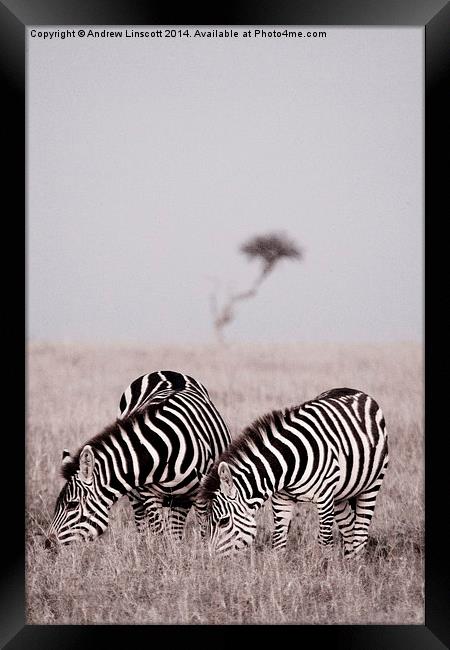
282, 508
137, 503
177, 520
325, 509
147, 507
201, 512
364, 509
344, 515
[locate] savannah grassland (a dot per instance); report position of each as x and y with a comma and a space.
73, 392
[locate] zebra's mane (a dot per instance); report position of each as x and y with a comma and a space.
70, 467
251, 434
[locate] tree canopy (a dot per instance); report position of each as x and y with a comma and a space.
270, 249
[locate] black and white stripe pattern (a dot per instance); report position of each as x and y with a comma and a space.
155, 388
168, 434
331, 450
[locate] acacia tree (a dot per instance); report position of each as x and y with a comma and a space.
269, 250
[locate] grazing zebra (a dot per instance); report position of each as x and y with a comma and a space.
331, 450
167, 435
154, 389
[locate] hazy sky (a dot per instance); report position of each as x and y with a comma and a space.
151, 160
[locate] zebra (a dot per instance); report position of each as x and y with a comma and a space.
146, 502
331, 450
167, 435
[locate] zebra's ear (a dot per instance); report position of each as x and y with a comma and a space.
66, 457
227, 485
86, 464
67, 464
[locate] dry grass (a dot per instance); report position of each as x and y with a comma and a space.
73, 392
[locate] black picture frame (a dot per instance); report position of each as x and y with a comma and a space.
434, 17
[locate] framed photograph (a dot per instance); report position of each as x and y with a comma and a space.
231, 404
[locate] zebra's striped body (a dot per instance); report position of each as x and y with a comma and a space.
331, 450
167, 436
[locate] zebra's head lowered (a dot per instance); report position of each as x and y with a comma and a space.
231, 521
81, 511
